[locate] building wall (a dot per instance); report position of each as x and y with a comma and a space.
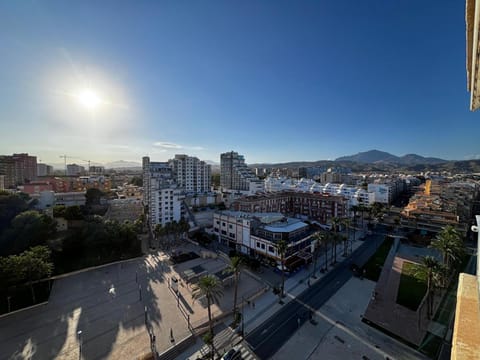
234, 173
191, 174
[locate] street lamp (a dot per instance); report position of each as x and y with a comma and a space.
79, 337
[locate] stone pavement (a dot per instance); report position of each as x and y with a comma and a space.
384, 311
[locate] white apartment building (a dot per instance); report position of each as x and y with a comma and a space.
191, 174
161, 193
236, 175
44, 170
257, 234
75, 170
354, 195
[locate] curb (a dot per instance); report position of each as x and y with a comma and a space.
23, 309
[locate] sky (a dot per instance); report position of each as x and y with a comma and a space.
273, 80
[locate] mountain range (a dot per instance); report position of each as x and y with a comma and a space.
376, 160
377, 156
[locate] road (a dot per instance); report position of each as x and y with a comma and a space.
274, 332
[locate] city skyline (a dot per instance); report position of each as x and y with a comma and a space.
275, 81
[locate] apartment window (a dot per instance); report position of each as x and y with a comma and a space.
232, 235
270, 249
258, 244
230, 226
263, 246
224, 232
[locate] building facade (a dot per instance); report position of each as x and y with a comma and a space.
161, 194
257, 234
315, 206
44, 170
75, 170
191, 174
18, 169
234, 173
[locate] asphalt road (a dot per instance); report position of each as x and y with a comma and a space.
266, 339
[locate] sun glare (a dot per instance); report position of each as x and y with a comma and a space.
89, 99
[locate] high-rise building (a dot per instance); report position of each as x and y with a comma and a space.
75, 170
191, 174
18, 169
234, 173
44, 170
96, 170
161, 193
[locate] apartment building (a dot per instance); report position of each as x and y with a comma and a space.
75, 170
386, 190
257, 234
96, 170
18, 169
2, 182
315, 206
161, 193
236, 175
191, 174
44, 170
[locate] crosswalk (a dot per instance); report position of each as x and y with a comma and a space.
226, 339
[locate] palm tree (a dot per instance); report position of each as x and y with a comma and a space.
317, 238
355, 209
449, 243
346, 222
335, 223
235, 267
430, 270
211, 288
282, 250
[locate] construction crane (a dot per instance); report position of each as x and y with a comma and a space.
64, 157
88, 170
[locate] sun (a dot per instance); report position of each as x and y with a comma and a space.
89, 99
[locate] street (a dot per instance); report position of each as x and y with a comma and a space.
266, 339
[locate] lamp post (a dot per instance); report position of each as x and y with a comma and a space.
79, 337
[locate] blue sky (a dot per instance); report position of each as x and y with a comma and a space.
273, 80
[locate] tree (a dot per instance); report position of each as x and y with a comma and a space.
335, 223
211, 288
282, 250
355, 209
36, 265
429, 270
136, 180
235, 267
449, 243
324, 239
346, 222
29, 228
93, 196
317, 242
73, 213
10, 206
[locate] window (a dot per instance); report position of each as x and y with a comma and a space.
232, 235
263, 246
270, 249
258, 244
230, 226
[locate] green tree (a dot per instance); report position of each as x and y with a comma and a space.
10, 206
211, 288
282, 250
336, 221
73, 213
93, 196
429, 270
346, 223
235, 268
28, 228
35, 264
449, 243
136, 180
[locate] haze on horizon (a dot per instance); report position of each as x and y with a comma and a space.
276, 81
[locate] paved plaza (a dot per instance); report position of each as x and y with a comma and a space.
108, 306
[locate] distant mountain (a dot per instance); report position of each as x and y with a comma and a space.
377, 156
213, 163
122, 164
371, 156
